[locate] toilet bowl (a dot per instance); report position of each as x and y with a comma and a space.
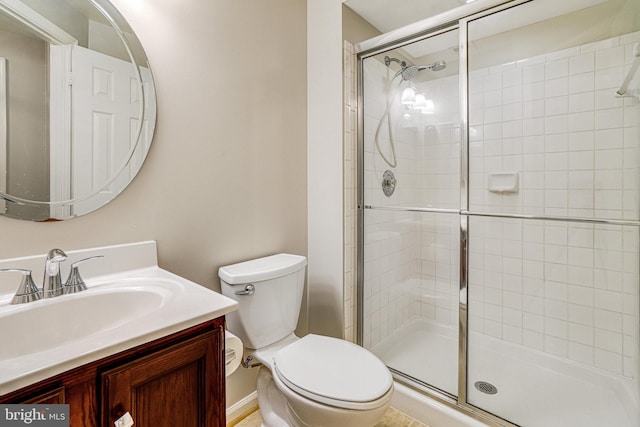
313, 381
324, 381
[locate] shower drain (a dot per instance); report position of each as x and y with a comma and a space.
485, 387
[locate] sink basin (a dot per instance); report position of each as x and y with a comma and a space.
129, 301
51, 323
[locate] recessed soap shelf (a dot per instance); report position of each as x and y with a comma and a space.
504, 182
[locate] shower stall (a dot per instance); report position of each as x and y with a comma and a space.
499, 210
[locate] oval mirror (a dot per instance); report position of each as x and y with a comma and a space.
77, 107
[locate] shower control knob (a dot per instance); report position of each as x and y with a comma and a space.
388, 183
248, 290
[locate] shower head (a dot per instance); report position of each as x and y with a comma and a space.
407, 72
437, 66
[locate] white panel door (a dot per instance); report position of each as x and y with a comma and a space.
106, 111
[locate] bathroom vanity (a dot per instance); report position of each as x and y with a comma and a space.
177, 380
139, 340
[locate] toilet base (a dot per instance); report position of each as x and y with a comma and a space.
273, 405
282, 407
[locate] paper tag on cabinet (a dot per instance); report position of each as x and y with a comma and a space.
124, 421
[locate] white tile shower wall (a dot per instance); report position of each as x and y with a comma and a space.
411, 267
390, 290
551, 286
555, 121
387, 262
568, 289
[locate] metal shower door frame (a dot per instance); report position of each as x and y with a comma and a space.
424, 29
431, 27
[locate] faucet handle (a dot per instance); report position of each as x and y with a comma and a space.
51, 282
27, 291
75, 283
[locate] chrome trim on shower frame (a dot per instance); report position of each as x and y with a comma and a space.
412, 209
463, 320
412, 32
360, 204
603, 221
581, 220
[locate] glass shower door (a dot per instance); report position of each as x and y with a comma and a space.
410, 277
554, 153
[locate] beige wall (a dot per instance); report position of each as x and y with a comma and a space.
225, 179
354, 28
324, 161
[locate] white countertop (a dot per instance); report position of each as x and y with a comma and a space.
118, 311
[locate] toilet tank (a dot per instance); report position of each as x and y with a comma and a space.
269, 294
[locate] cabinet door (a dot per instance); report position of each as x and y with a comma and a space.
178, 386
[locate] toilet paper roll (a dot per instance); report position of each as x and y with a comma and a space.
233, 352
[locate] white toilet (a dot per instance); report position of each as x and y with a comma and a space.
310, 381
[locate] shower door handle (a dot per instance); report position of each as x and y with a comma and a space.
248, 290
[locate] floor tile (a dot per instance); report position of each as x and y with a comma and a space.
391, 418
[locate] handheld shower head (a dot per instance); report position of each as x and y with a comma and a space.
437, 66
408, 71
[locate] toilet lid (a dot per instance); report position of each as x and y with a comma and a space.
332, 371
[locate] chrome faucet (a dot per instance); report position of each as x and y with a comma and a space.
27, 291
74, 282
52, 282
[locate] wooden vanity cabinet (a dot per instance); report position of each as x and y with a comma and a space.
52, 397
174, 381
173, 387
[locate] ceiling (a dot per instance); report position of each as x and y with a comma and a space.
386, 15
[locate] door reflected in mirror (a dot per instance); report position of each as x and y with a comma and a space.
77, 107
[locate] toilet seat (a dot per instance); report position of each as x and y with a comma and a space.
334, 372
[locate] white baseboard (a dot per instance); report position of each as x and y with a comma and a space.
241, 407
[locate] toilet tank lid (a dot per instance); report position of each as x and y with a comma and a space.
266, 268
